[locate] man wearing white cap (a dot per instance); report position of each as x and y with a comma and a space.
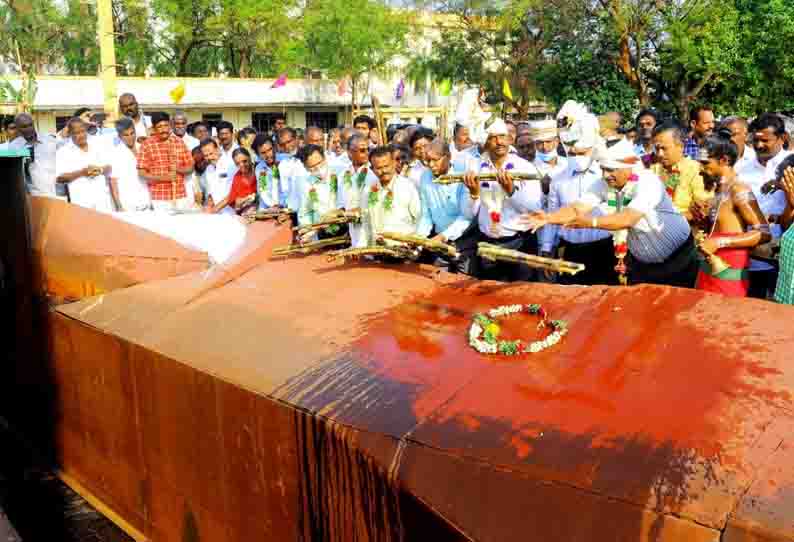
588, 246
499, 205
546, 137
659, 241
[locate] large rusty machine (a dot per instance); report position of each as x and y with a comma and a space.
302, 400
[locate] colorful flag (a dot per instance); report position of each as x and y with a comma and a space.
280, 82
506, 90
400, 90
341, 87
445, 88
177, 93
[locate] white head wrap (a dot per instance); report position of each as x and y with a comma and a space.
543, 130
578, 125
497, 128
621, 155
472, 116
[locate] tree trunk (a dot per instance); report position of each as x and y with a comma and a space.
245, 64
353, 94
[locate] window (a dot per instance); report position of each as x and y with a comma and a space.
263, 122
211, 120
325, 120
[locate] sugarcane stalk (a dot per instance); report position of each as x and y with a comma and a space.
307, 248
329, 220
494, 253
393, 252
453, 178
422, 242
279, 215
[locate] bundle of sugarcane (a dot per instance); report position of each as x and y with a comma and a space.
494, 253
417, 241
392, 252
331, 219
279, 215
306, 248
453, 178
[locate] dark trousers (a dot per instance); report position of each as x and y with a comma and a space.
598, 259
679, 269
466, 246
507, 271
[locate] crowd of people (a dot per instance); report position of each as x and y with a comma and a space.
699, 204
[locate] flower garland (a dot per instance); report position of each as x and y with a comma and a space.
495, 202
671, 180
348, 179
617, 201
372, 199
263, 184
334, 184
361, 178
484, 332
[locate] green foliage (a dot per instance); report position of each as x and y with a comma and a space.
349, 38
587, 76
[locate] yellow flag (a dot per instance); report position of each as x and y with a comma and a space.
506, 90
177, 93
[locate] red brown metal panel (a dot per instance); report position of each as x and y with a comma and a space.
97, 433
654, 411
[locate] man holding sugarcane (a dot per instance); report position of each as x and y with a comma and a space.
499, 204
658, 241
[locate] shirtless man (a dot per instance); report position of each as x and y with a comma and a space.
735, 223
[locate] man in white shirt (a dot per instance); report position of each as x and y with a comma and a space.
81, 165
314, 194
215, 182
129, 192
498, 205
739, 128
128, 106
659, 241
591, 247
390, 201
545, 134
179, 127
461, 141
768, 138
226, 147
352, 176
40, 170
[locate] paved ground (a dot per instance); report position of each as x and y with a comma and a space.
40, 507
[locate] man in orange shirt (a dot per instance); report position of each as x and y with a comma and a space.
163, 163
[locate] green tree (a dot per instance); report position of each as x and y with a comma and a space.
31, 37
350, 38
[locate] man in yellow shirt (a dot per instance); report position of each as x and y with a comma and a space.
680, 174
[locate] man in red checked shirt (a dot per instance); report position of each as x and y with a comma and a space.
163, 163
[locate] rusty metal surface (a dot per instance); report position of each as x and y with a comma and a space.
79, 253
285, 397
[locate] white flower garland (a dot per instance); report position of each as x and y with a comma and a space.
484, 332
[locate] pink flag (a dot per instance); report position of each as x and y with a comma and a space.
341, 87
400, 90
280, 82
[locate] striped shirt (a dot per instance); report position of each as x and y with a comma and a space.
566, 189
661, 231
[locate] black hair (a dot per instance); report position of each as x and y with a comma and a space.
356, 137
788, 162
224, 125
405, 152
380, 150
192, 127
421, 133
365, 118
208, 141
74, 120
80, 111
458, 127
769, 120
719, 144
694, 115
647, 112
671, 126
260, 140
241, 150
160, 116
123, 124
244, 133
307, 150
279, 116
287, 130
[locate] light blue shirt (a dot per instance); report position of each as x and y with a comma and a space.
445, 206
266, 186
566, 189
